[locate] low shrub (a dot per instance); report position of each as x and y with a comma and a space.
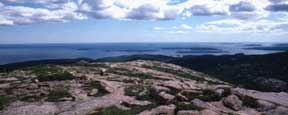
56, 95
97, 85
209, 95
250, 102
55, 77
4, 101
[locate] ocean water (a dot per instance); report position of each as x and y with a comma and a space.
10, 53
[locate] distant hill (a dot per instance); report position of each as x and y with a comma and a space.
261, 72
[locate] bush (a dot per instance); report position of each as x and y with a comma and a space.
30, 98
4, 101
209, 95
227, 92
50, 73
56, 95
250, 102
97, 85
186, 106
55, 77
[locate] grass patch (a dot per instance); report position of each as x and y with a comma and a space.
30, 98
141, 93
209, 95
50, 73
55, 77
186, 106
57, 95
250, 102
4, 101
126, 72
145, 96
206, 95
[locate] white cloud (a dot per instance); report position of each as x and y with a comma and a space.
65, 10
185, 27
158, 28
180, 29
237, 26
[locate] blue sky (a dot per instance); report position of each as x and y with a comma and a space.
88, 21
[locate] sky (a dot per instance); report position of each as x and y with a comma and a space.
89, 21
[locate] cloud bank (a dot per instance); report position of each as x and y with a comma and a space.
237, 15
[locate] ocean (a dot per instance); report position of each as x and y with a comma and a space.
10, 53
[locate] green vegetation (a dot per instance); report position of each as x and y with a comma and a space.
4, 101
97, 85
141, 92
175, 72
145, 96
117, 111
227, 92
243, 70
44, 69
56, 77
50, 73
30, 98
209, 95
250, 102
126, 72
186, 106
57, 95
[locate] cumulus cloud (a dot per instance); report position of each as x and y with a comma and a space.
205, 11
179, 29
36, 1
278, 1
236, 26
242, 6
14, 12
278, 8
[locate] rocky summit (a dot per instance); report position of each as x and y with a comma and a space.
128, 88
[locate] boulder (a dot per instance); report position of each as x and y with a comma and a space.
166, 97
157, 89
103, 71
181, 97
32, 109
219, 92
264, 105
278, 111
233, 102
208, 112
188, 112
66, 99
200, 103
93, 92
161, 110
